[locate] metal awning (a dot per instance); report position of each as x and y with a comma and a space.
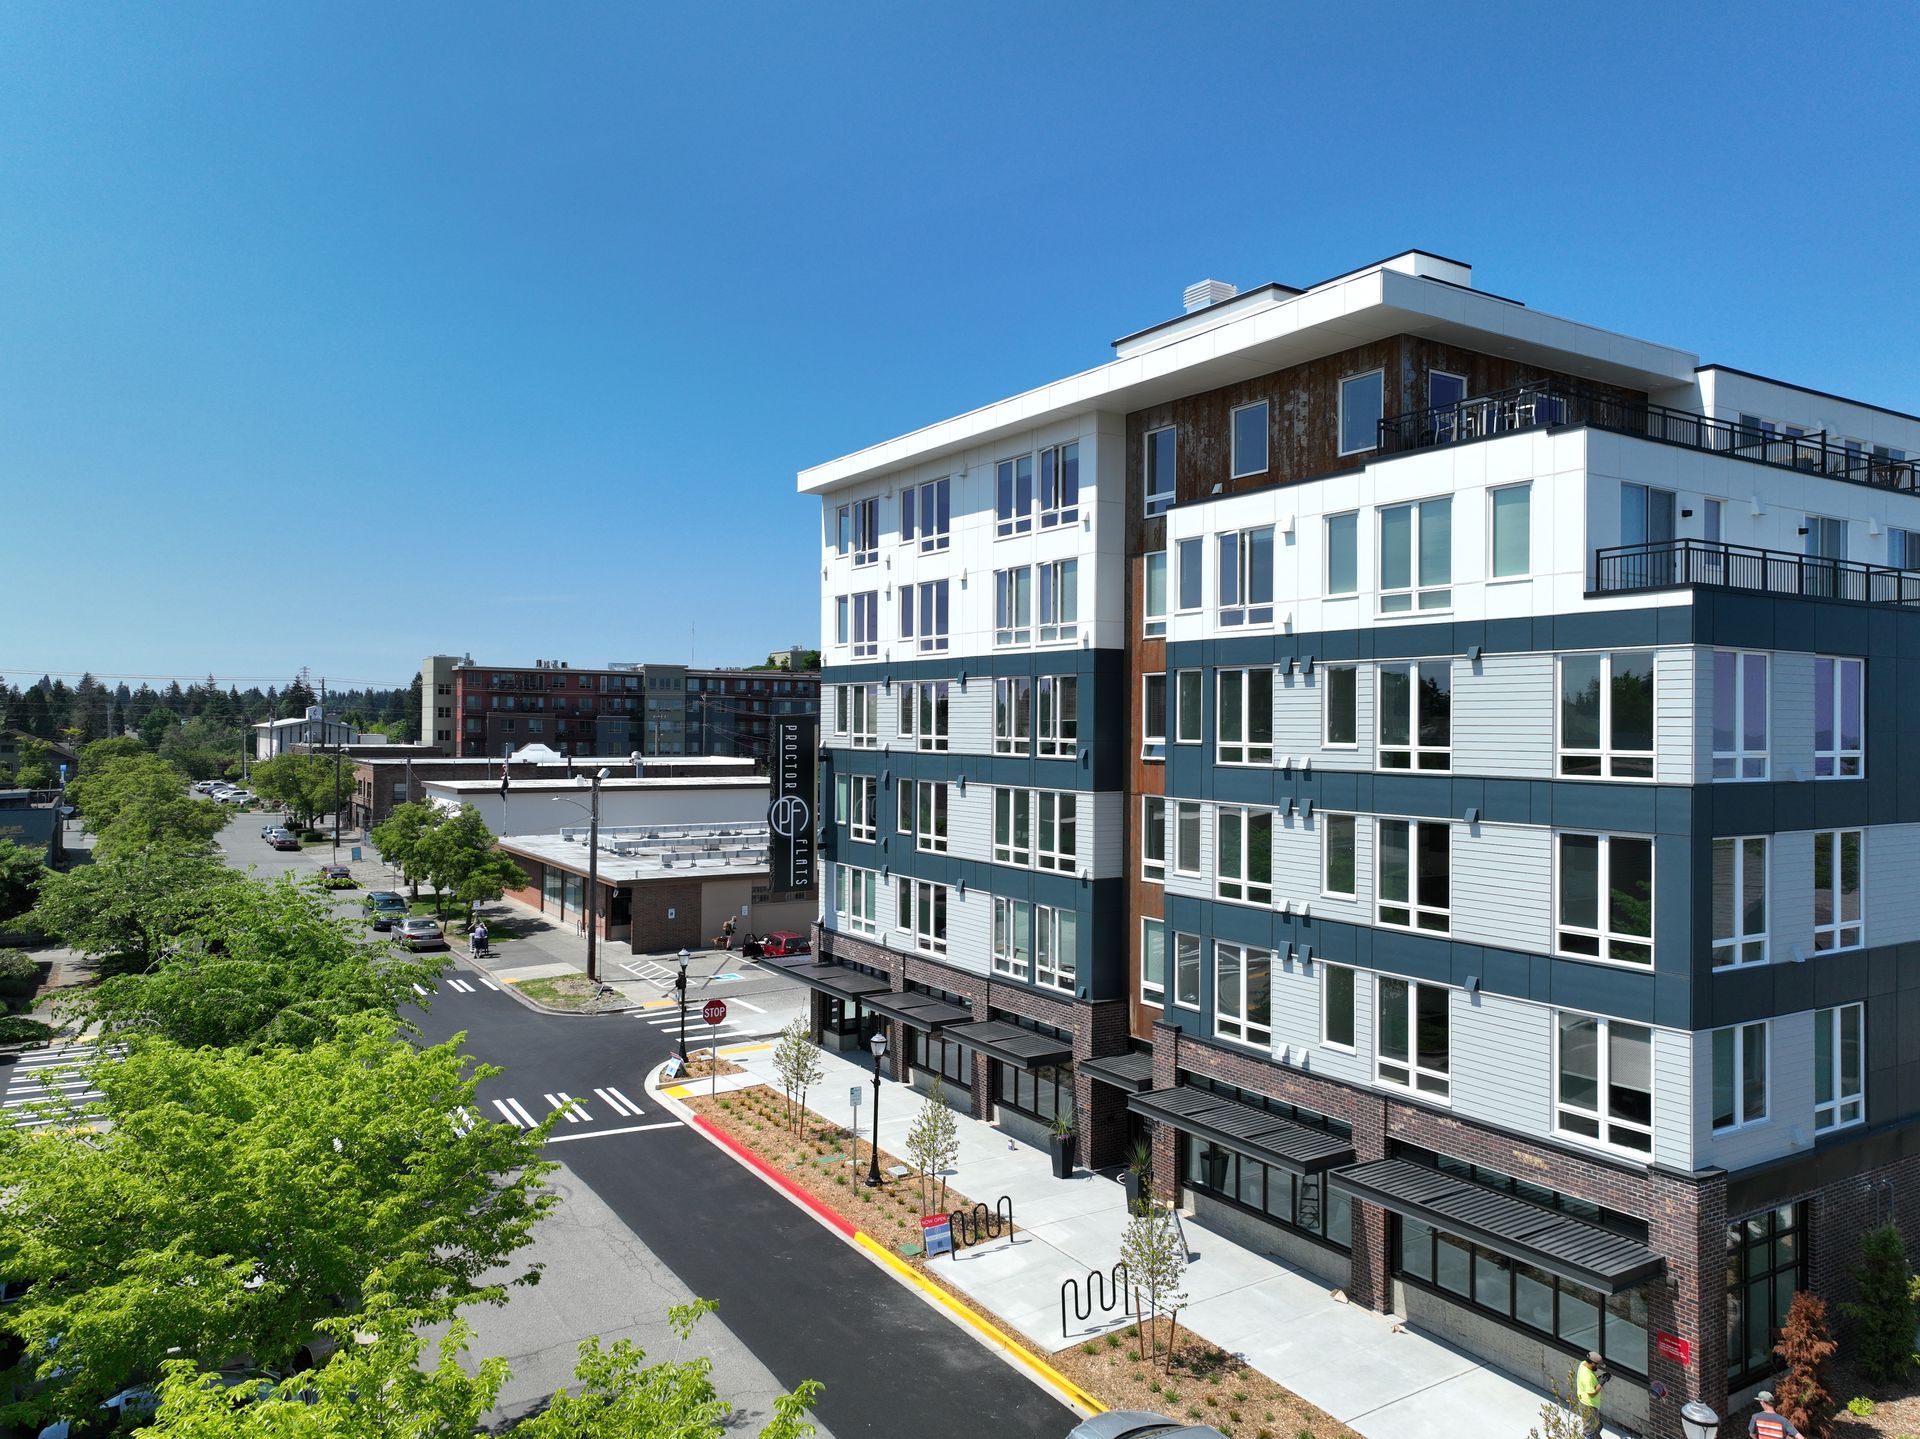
1504, 1223
922, 1011
1010, 1044
1133, 1072
840, 982
1244, 1128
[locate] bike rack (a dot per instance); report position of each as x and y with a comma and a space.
979, 1224
1104, 1290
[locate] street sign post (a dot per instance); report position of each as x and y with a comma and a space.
714, 1011
853, 1098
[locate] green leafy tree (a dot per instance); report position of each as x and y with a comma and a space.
402, 839
21, 874
797, 1064
1156, 1258
235, 1199
103, 792
175, 822
155, 724
205, 747
309, 785
34, 764
1882, 1317
126, 911
100, 751
457, 858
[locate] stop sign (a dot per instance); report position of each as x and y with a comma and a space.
714, 1011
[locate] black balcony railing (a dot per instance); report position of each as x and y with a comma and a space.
1662, 564
1529, 407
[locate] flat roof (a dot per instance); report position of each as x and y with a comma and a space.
709, 850
579, 782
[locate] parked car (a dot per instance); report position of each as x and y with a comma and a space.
421, 933
284, 839
784, 942
235, 796
267, 829
384, 908
336, 876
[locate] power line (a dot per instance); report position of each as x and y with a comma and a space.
185, 680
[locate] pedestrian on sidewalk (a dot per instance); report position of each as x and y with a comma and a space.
1770, 1423
480, 937
1587, 1380
726, 934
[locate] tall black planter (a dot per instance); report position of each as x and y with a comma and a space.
1136, 1186
1062, 1147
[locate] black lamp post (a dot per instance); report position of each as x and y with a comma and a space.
1697, 1421
878, 1044
680, 983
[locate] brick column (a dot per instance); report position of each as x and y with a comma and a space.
1100, 1110
818, 1006
1687, 1222
1369, 1280
898, 1067
1166, 1153
982, 1101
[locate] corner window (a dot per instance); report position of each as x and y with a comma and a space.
1512, 549
1160, 456
1339, 864
1606, 715
1244, 855
1606, 897
1186, 837
1245, 715
1414, 1043
1837, 889
1154, 594
1013, 715
1153, 838
1739, 715
1739, 1075
1059, 601
1153, 716
1362, 402
1416, 715
1243, 994
1059, 485
1739, 901
1189, 685
1186, 970
1013, 938
1013, 497
862, 520
1013, 606
1153, 962
1192, 580
1246, 577
1839, 1067
1415, 882
1604, 1085
1343, 553
1250, 440
1342, 683
1337, 992
1416, 556
1839, 748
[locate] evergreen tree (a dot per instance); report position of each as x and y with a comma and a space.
1805, 1348
295, 699
141, 703
1882, 1318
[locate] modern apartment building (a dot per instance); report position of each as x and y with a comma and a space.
1435, 769
650, 709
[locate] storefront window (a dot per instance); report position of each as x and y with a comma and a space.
550, 891
1295, 1202
1037, 1093
950, 1060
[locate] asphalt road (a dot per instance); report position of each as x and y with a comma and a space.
804, 1303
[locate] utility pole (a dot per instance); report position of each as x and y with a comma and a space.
593, 881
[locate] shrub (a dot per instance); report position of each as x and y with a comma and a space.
1805, 1347
1860, 1406
1113, 1341
18, 1029
19, 975
1883, 1316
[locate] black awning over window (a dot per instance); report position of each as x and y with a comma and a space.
922, 1011
840, 982
1132, 1072
1010, 1044
1244, 1128
1571, 1248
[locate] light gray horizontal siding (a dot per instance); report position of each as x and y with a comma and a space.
970, 717
970, 822
1893, 883
1355, 1068
1297, 867
1673, 1098
1502, 1061
1673, 727
1791, 744
1103, 833
1503, 716
1789, 1123
1790, 894
1503, 886
970, 930
1703, 703
1198, 886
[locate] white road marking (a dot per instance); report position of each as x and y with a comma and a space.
630, 1129
419, 990
461, 985
569, 1107
489, 984
512, 1118
745, 1005
527, 1120
618, 1103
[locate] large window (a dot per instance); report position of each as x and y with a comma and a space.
1303, 1203
1190, 574
1740, 1075
1244, 861
1606, 715
1250, 440
1605, 1085
1606, 897
1154, 594
926, 515
1839, 1067
1338, 991
923, 615
1837, 886
1045, 1093
857, 714
1766, 1264
1059, 485
1056, 731
1188, 727
1416, 715
866, 625
923, 811
1512, 520
1013, 497
1246, 577
1186, 970
1245, 717
1013, 938
1339, 867
925, 714
1013, 715
1414, 1045
1059, 601
932, 1054
1153, 962
856, 899
1035, 828
1013, 606
864, 807
1243, 994
1362, 398
1739, 715
1416, 556
923, 914
1343, 553
1739, 901
1342, 685
1055, 955
1186, 837
1160, 448
1153, 716
1839, 750
859, 530
1415, 863
1153, 838
1013, 826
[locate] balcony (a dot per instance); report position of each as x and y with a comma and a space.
1532, 407
1667, 564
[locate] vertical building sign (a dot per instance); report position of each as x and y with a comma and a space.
790, 812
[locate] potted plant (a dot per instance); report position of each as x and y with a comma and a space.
1060, 1141
1139, 1173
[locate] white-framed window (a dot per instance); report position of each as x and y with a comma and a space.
1415, 704
1055, 947
1839, 1066
1605, 886
1739, 901
1339, 855
842, 798
1244, 732
903, 810
1903, 548
1013, 826
859, 531
1154, 594
866, 625
842, 620
923, 615
1445, 389
1250, 439
1056, 826
925, 714
1243, 994
1414, 864
922, 913
1186, 837
1056, 730
1362, 402
1013, 606
1153, 838
1740, 1075
926, 515
1190, 574
1339, 990
1161, 451
1416, 556
1740, 723
1606, 715
1189, 692
1013, 938
1413, 1039
929, 814
1153, 962
842, 708
1510, 519
859, 707
1059, 601
1186, 970
1604, 1082
1340, 727
1839, 889
1059, 485
1153, 716
1839, 718
1246, 577
1243, 854
1343, 553
1013, 715
864, 814
1013, 497
857, 899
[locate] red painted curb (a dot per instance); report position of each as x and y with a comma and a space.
740, 1151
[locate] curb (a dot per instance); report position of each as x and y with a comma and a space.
509, 987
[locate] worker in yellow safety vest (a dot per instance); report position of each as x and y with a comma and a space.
1587, 1380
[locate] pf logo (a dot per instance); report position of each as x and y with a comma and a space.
789, 816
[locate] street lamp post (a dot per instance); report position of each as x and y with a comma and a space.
878, 1044
339, 749
593, 879
1698, 1421
680, 983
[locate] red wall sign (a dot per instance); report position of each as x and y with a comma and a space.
1672, 1346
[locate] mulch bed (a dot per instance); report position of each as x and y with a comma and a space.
1896, 1407
701, 1064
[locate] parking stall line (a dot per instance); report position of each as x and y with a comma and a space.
630, 1129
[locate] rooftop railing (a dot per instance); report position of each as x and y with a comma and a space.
1665, 564
1529, 407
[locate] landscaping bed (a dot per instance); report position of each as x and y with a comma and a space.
1896, 1407
571, 991
704, 1064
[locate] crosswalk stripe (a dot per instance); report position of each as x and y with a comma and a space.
630, 1129
512, 1118
490, 984
527, 1120
569, 1107
420, 990
618, 1102
461, 985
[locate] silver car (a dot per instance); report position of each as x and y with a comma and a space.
421, 933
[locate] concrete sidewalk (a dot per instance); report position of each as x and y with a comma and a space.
1368, 1370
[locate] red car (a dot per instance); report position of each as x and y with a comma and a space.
783, 943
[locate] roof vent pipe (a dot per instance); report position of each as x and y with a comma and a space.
1208, 292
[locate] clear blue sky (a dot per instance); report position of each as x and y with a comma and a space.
339, 334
